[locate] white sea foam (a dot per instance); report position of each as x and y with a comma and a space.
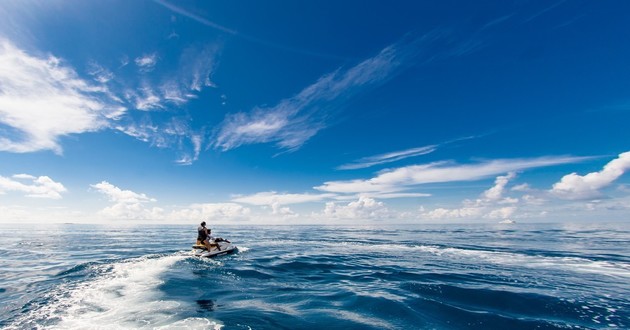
359, 318
243, 249
125, 295
574, 264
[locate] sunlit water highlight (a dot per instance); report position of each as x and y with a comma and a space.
299, 277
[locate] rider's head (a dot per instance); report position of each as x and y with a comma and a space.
203, 224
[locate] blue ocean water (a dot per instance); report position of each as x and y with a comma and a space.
511, 276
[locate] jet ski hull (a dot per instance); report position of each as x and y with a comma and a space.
225, 248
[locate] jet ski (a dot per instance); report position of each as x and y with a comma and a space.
218, 248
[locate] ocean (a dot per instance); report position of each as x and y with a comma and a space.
470, 276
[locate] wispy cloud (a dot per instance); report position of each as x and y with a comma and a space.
388, 157
574, 186
174, 132
545, 10
41, 100
293, 121
195, 17
38, 187
99, 73
146, 62
402, 178
171, 126
272, 197
207, 22
397, 155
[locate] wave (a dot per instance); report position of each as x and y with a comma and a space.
575, 264
520, 259
123, 294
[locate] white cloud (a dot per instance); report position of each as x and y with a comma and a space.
388, 157
405, 177
99, 73
533, 200
490, 205
574, 186
285, 212
393, 195
132, 211
174, 132
522, 187
362, 209
188, 158
38, 187
42, 100
146, 62
273, 198
167, 94
192, 75
144, 99
502, 213
398, 155
127, 204
464, 212
211, 212
295, 120
496, 192
118, 195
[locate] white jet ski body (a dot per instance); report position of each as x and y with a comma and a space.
225, 247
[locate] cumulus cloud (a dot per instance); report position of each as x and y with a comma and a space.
408, 176
127, 204
496, 192
464, 212
118, 195
42, 100
286, 212
490, 205
211, 212
362, 209
502, 213
38, 187
574, 186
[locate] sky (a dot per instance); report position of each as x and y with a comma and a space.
314, 112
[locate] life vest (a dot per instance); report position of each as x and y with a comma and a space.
201, 234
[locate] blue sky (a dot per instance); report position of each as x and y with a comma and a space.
326, 112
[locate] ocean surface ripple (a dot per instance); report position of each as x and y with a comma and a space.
510, 276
